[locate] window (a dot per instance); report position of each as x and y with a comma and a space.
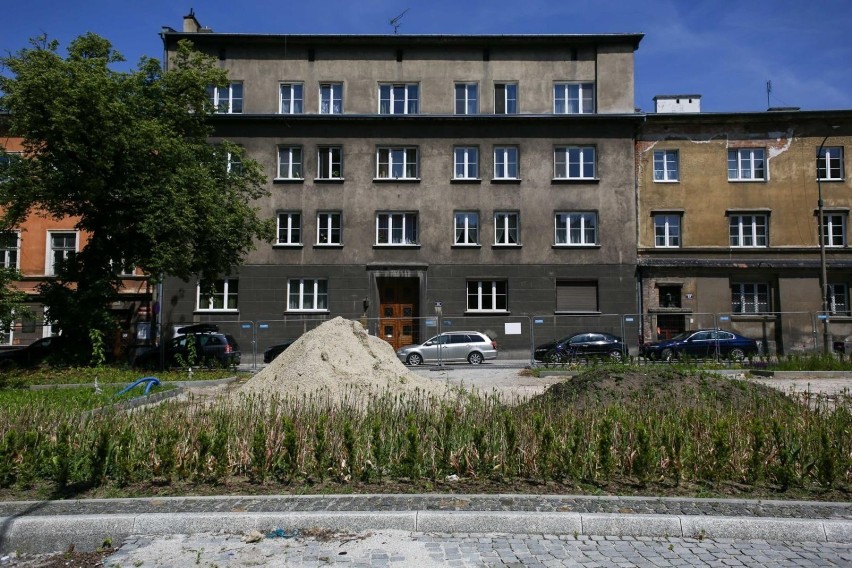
573, 98
400, 98
467, 98
577, 297
329, 162
235, 165
834, 229
487, 296
396, 229
222, 296
666, 230
838, 296
290, 162
749, 298
331, 98
9, 247
576, 229
290, 228
572, 162
830, 164
466, 162
6, 161
329, 228
60, 246
291, 98
669, 296
505, 162
748, 230
506, 98
666, 165
228, 99
507, 228
397, 163
466, 228
746, 164
307, 295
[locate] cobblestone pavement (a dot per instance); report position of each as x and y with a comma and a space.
436, 502
398, 548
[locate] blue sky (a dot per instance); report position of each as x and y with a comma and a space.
725, 51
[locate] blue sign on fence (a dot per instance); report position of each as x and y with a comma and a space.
538, 321
448, 322
264, 326
245, 326
822, 316
628, 319
430, 323
724, 318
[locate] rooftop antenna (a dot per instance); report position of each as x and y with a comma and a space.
395, 21
768, 90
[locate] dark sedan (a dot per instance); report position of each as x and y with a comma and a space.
702, 344
274, 351
31, 355
580, 345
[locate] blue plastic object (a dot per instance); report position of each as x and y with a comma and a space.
152, 381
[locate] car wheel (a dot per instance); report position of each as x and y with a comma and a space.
737, 354
615, 355
667, 355
414, 359
474, 358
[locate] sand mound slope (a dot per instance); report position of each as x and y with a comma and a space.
338, 357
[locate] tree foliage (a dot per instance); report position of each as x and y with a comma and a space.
126, 155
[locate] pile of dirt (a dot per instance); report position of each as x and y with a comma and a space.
660, 385
342, 360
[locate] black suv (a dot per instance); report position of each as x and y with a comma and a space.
211, 349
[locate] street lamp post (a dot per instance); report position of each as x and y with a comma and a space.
823, 272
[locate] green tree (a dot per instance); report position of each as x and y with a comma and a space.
128, 156
11, 299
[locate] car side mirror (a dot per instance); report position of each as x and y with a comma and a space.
428, 343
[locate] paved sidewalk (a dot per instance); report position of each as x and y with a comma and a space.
53, 525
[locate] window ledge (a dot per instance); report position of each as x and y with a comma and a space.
459, 246
396, 180
307, 311
574, 181
216, 311
502, 246
831, 180
287, 246
576, 313
487, 312
329, 181
384, 246
559, 247
666, 181
505, 181
288, 180
465, 180
846, 318
746, 180
328, 245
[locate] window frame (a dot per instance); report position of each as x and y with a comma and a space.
469, 233
505, 85
226, 294
326, 225
50, 256
670, 238
405, 164
665, 173
325, 156
7, 251
831, 236
737, 221
836, 289
562, 223
297, 104
826, 164
292, 230
738, 157
492, 291
328, 98
403, 225
575, 156
217, 100
506, 163
466, 163
582, 99
740, 292
507, 228
410, 103
466, 94
319, 291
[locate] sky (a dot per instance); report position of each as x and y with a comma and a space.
726, 51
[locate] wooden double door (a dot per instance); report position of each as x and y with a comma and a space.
398, 310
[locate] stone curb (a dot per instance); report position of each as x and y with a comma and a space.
43, 534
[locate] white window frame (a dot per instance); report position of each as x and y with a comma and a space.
466, 98
504, 158
331, 97
329, 222
227, 99
293, 166
330, 158
10, 256
466, 162
404, 95
573, 97
575, 228
746, 295
290, 228
49, 263
834, 229
580, 160
404, 158
235, 165
466, 228
482, 293
830, 164
747, 164
405, 224
666, 166
745, 227
508, 98
835, 291
229, 291
291, 95
503, 222
667, 230
309, 294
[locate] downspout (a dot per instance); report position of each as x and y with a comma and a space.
640, 285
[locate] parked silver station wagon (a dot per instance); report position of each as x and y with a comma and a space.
450, 347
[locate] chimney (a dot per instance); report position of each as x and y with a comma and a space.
190, 24
677, 103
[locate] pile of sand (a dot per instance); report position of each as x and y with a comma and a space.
339, 358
